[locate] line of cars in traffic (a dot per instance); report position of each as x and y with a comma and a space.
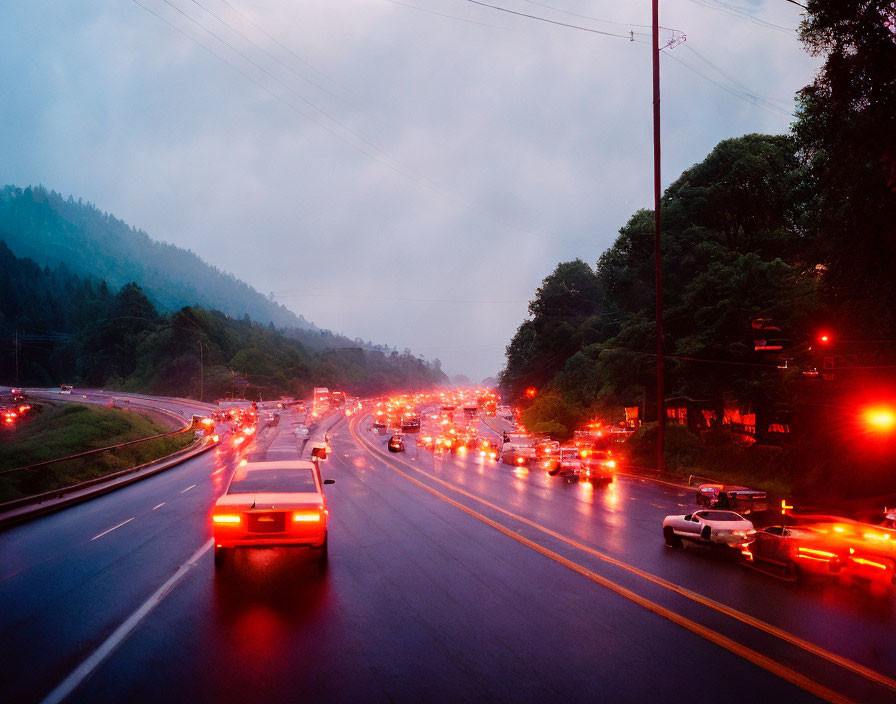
14, 406
273, 499
452, 426
588, 457
736, 519
792, 547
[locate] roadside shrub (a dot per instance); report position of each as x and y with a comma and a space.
682, 449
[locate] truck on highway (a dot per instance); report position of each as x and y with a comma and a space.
320, 401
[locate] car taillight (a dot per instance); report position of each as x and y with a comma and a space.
812, 554
226, 518
306, 516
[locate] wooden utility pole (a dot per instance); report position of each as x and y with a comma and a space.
657, 194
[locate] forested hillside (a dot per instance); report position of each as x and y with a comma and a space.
44, 226
64, 328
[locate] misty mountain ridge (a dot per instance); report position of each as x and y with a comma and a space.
51, 230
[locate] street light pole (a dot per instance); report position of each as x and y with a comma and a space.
201, 374
657, 193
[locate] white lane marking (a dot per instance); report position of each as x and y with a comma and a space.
83, 671
159, 506
187, 489
111, 529
217, 471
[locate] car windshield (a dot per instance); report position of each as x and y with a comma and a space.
290, 480
721, 516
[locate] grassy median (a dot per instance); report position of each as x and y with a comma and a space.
69, 428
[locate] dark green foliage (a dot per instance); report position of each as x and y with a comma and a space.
846, 135
683, 448
75, 330
732, 253
550, 413
70, 428
53, 231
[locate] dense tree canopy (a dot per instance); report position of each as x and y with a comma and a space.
733, 252
846, 136
76, 330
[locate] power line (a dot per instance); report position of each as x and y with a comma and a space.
586, 17
290, 51
549, 21
744, 14
382, 156
442, 14
745, 95
737, 83
262, 49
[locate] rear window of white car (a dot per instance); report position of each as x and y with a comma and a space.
294, 480
721, 516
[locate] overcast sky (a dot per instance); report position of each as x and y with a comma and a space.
407, 172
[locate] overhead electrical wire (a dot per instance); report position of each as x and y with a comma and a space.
585, 17
745, 14
374, 151
288, 50
378, 154
442, 14
734, 87
736, 90
538, 18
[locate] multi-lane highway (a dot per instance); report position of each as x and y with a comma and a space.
450, 578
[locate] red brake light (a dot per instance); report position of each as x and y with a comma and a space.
306, 516
226, 518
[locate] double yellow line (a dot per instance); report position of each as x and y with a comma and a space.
753, 656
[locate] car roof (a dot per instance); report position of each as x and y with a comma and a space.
277, 464
716, 512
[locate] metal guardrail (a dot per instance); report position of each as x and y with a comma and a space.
96, 481
97, 451
35, 495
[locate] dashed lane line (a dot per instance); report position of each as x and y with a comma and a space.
112, 528
783, 635
86, 668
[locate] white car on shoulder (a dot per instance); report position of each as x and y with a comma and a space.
708, 527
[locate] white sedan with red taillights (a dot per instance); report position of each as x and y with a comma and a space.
272, 504
708, 527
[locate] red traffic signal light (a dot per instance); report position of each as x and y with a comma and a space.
881, 419
531, 392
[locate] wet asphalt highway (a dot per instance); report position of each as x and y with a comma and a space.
422, 601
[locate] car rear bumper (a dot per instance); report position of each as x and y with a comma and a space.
271, 541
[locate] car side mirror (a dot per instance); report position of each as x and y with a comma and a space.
329, 481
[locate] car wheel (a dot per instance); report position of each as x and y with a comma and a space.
672, 540
792, 572
222, 557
